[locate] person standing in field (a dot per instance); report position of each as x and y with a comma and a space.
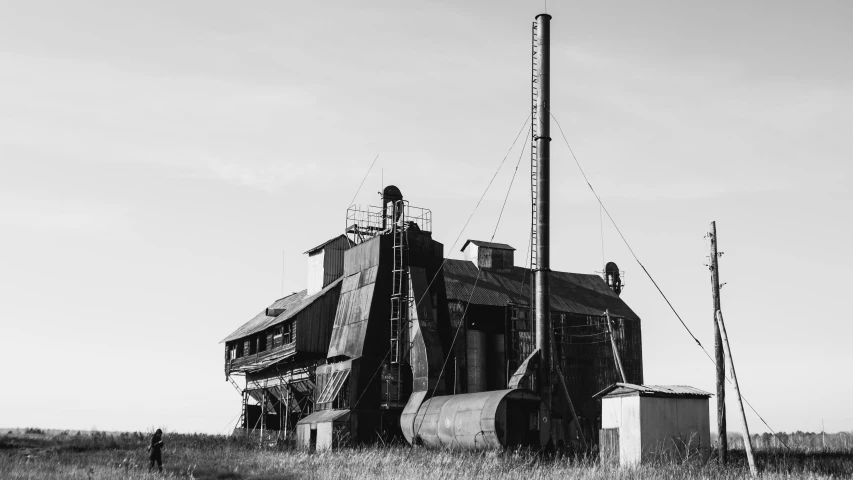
156, 450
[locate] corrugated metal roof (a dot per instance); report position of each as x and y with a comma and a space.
342, 238
584, 294
323, 416
481, 243
619, 389
292, 304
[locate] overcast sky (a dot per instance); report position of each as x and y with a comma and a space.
163, 165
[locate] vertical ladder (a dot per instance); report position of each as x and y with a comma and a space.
399, 299
534, 137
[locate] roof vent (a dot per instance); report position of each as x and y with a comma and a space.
274, 312
489, 256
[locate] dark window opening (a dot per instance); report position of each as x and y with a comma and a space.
342, 400
262, 342
288, 334
277, 336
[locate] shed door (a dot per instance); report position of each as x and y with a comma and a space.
608, 444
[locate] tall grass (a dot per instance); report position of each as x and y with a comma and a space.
124, 456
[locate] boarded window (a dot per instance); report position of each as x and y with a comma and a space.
333, 386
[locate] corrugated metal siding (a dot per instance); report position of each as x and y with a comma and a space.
570, 292
363, 256
314, 322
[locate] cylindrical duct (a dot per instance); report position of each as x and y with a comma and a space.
476, 361
477, 421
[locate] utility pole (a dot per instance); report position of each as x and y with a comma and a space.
719, 355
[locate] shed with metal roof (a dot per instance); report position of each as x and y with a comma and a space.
642, 423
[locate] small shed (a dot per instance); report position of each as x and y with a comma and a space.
640, 423
319, 430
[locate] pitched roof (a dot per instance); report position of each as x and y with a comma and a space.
481, 243
623, 389
342, 238
584, 294
292, 304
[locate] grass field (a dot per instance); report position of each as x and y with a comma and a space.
34, 454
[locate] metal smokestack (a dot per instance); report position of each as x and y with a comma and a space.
542, 139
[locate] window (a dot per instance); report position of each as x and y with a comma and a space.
277, 336
287, 335
262, 342
232, 351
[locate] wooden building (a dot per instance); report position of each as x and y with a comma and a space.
279, 349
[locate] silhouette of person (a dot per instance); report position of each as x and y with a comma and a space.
156, 450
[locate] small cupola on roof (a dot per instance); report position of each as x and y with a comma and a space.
489, 256
326, 263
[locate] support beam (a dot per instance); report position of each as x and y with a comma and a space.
719, 357
747, 440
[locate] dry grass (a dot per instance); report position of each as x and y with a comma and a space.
102, 456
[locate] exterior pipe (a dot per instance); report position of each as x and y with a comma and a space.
542, 311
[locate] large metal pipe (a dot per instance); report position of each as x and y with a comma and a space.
542, 311
474, 421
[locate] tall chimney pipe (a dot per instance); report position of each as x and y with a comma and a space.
542, 311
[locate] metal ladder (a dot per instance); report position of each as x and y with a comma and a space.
399, 298
534, 119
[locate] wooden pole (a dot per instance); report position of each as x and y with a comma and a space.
263, 415
719, 357
287, 410
615, 350
747, 440
564, 389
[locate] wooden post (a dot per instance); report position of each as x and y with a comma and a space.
615, 350
263, 414
747, 440
246, 412
719, 357
565, 391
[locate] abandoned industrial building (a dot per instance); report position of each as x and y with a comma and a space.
393, 339
312, 358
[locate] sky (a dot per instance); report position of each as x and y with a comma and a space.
163, 165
